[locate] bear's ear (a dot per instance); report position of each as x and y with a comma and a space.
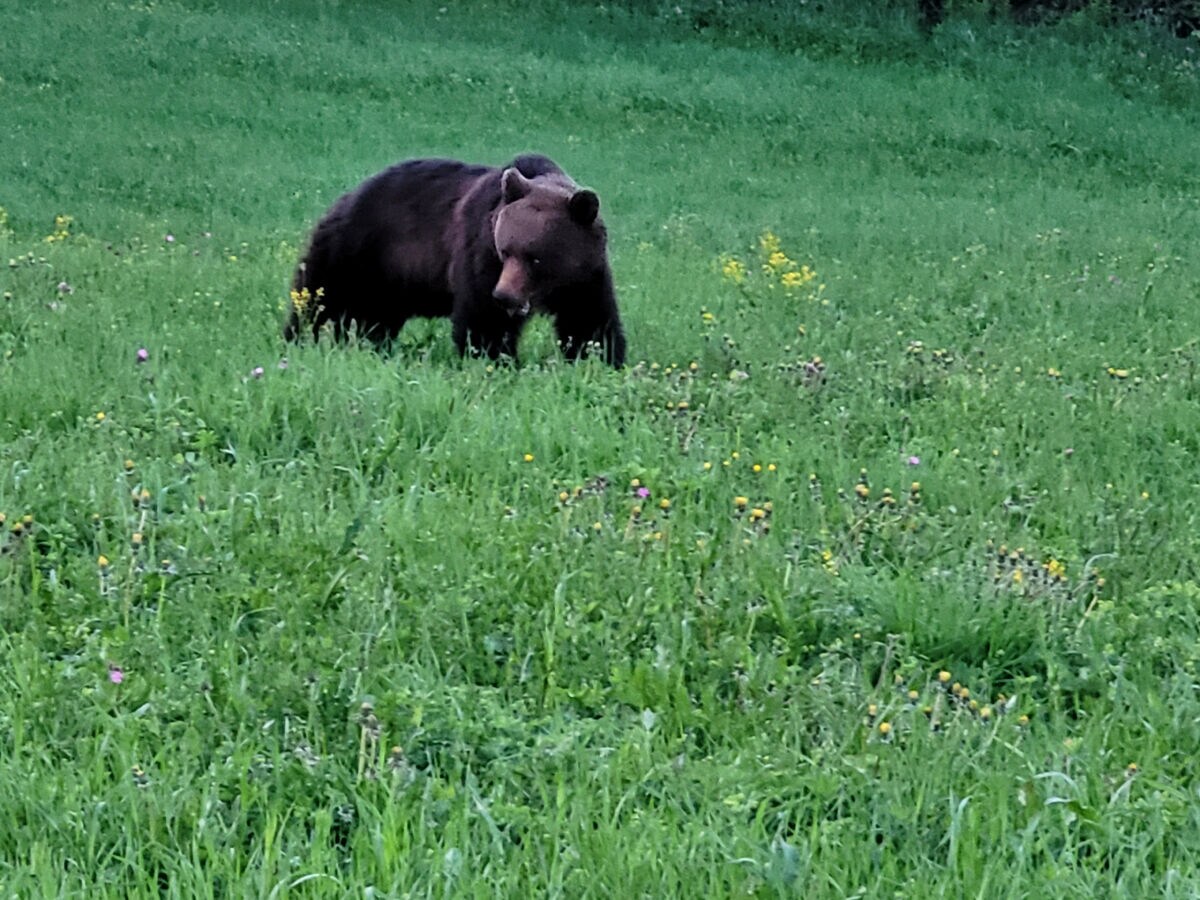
584, 206
514, 185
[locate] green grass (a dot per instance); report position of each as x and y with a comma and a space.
594, 695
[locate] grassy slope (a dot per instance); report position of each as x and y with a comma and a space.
673, 703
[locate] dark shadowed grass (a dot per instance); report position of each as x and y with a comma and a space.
308, 621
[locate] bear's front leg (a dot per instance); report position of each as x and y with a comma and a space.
485, 342
577, 342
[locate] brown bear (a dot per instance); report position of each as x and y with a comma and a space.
486, 246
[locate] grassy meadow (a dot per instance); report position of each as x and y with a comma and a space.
874, 574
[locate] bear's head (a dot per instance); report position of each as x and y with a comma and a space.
548, 236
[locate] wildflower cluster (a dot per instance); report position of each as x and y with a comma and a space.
807, 370
679, 380
302, 303
775, 270
594, 487
648, 517
863, 500
754, 515
568, 501
28, 260
918, 352
869, 520
13, 535
370, 734
669, 393
733, 270
923, 369
1031, 577
777, 266
62, 230
139, 575
936, 703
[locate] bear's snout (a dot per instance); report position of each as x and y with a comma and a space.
513, 304
512, 290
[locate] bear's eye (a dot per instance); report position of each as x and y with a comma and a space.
535, 261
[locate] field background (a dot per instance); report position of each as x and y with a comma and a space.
883, 583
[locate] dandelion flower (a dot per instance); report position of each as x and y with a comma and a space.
528, 457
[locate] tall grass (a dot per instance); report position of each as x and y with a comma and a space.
873, 574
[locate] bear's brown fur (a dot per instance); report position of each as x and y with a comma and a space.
485, 246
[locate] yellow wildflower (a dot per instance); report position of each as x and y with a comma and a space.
734, 270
